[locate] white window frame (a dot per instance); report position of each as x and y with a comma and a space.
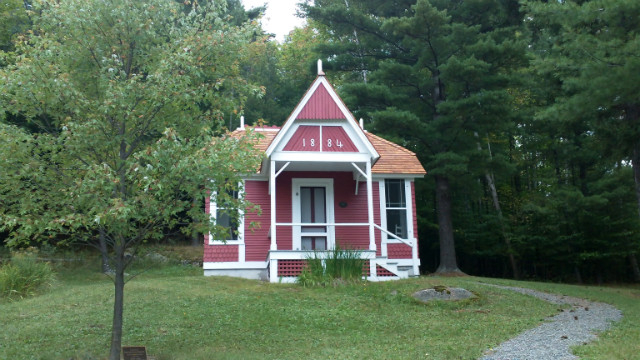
213, 210
383, 210
296, 184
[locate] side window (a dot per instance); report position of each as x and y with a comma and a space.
396, 207
223, 216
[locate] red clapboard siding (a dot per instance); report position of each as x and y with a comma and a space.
335, 139
257, 242
321, 106
350, 237
306, 138
283, 211
220, 253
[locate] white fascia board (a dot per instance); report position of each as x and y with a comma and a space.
290, 120
306, 156
234, 265
350, 120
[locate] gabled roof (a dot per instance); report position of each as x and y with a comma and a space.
321, 102
394, 159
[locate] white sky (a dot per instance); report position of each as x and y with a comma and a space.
280, 16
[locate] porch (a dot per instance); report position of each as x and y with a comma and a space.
286, 265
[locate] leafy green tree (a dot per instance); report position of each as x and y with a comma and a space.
593, 50
14, 20
127, 101
437, 75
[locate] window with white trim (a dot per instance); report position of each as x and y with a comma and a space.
222, 217
396, 207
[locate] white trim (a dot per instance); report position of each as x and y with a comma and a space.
213, 209
350, 120
306, 156
296, 183
303, 254
384, 239
372, 234
272, 192
407, 208
210, 265
409, 200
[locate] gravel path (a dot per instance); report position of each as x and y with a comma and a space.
552, 340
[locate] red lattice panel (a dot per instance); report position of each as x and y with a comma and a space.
366, 268
382, 272
290, 268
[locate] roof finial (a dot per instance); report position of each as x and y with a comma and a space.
320, 72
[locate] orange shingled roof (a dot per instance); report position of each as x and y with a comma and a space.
394, 159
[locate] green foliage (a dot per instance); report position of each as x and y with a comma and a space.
127, 101
127, 118
334, 267
24, 275
14, 20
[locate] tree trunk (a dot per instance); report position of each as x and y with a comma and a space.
635, 163
496, 205
448, 262
634, 267
104, 253
576, 271
118, 303
195, 235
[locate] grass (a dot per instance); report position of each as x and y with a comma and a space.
178, 314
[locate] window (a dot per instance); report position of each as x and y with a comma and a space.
223, 217
396, 207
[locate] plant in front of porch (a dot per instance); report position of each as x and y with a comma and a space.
332, 268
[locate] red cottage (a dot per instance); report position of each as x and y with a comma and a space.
324, 182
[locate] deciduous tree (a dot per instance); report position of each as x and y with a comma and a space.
127, 100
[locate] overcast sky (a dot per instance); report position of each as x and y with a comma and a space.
280, 16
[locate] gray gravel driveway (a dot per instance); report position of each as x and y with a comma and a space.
552, 340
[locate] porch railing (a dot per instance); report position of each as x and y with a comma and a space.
300, 254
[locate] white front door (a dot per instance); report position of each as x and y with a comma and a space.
313, 209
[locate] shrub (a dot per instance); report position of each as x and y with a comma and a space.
339, 266
23, 276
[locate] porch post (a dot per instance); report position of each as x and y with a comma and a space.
414, 257
272, 191
372, 236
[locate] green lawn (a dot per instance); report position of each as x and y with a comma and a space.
179, 314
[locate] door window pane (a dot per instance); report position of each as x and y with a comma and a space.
314, 243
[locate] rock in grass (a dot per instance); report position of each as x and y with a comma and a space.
443, 293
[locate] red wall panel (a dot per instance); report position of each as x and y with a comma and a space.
257, 242
321, 106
